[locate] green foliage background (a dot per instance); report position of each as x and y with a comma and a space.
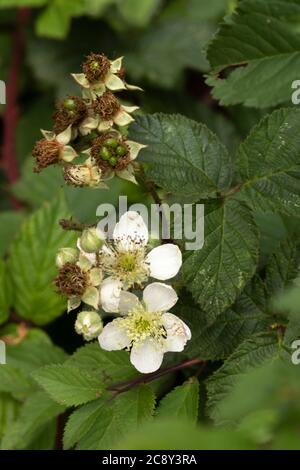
221, 129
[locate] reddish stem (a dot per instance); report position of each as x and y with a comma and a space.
11, 114
146, 378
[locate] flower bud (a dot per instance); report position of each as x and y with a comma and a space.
66, 255
91, 240
89, 324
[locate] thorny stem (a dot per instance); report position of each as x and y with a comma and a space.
11, 114
146, 378
69, 224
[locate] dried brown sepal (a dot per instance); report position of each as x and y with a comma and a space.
106, 106
46, 153
96, 67
72, 110
71, 280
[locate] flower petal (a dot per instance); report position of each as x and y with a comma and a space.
133, 87
73, 303
130, 109
96, 276
134, 148
123, 118
110, 291
81, 79
114, 83
91, 297
116, 65
65, 136
128, 301
178, 333
49, 135
164, 261
130, 230
159, 297
105, 125
68, 153
113, 338
147, 356
127, 174
89, 124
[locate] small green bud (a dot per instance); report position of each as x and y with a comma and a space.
89, 324
105, 154
111, 142
113, 161
121, 151
70, 104
66, 255
91, 241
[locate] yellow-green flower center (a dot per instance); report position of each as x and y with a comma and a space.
127, 265
141, 324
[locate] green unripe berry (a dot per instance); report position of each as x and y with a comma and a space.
95, 65
70, 104
105, 154
111, 142
121, 151
113, 161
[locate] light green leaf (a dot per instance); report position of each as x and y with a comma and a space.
9, 410
32, 263
68, 385
111, 366
268, 164
252, 353
138, 13
10, 223
21, 3
218, 272
81, 421
15, 381
160, 57
260, 43
182, 156
175, 434
37, 411
5, 292
127, 412
182, 402
55, 20
36, 189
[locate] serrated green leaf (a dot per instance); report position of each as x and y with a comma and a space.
5, 292
9, 411
182, 402
268, 164
182, 156
81, 421
283, 266
37, 410
36, 189
111, 366
68, 385
159, 55
33, 353
217, 273
252, 353
259, 42
15, 381
32, 263
127, 412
